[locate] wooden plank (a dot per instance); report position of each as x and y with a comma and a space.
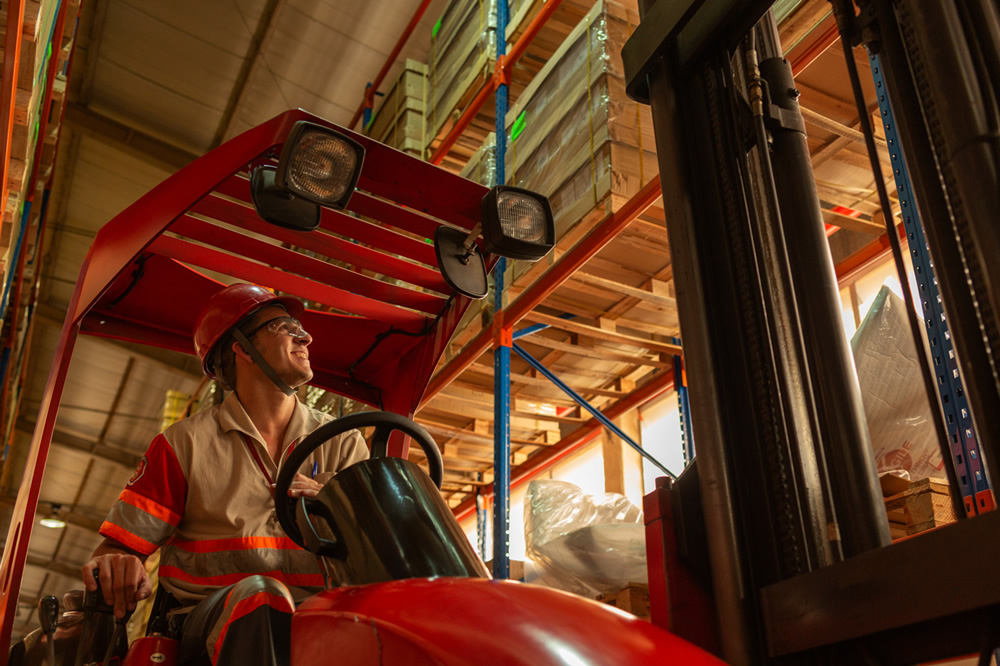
819, 120
853, 223
519, 408
618, 287
596, 352
658, 284
594, 332
542, 382
801, 22
472, 435
487, 389
614, 463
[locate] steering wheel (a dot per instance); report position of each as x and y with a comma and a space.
385, 424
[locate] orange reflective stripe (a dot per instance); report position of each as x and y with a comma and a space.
299, 580
150, 507
237, 543
126, 538
246, 606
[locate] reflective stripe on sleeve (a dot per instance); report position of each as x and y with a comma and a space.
138, 524
154, 509
123, 536
238, 543
207, 568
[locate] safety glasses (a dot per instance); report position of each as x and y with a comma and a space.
283, 325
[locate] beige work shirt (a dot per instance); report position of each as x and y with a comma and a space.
202, 496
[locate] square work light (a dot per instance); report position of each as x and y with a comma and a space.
517, 223
320, 165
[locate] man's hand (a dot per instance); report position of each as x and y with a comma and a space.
123, 578
302, 485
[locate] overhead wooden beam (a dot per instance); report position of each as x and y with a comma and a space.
471, 435
453, 394
595, 352
657, 284
488, 390
822, 122
619, 288
853, 223
251, 63
129, 139
801, 22
600, 334
60, 438
70, 518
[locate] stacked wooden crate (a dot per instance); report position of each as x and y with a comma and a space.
463, 53
633, 598
36, 39
399, 120
915, 506
463, 58
574, 135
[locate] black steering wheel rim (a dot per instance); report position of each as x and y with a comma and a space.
385, 423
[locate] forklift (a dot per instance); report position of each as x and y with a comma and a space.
772, 547
388, 252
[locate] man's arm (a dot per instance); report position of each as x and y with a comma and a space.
122, 574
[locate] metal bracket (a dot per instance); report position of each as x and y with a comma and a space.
501, 77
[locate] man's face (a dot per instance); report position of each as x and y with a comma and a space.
287, 354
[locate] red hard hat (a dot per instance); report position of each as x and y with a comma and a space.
226, 308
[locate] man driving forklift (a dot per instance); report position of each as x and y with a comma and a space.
204, 491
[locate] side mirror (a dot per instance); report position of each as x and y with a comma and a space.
516, 223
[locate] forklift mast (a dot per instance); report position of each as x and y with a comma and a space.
802, 570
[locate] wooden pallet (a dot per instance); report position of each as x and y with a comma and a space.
922, 505
633, 598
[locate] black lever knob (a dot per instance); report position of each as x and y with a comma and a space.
48, 614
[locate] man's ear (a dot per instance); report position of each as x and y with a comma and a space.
240, 352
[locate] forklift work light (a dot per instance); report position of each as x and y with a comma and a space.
320, 165
517, 223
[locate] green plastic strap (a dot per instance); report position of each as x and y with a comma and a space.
518, 127
437, 26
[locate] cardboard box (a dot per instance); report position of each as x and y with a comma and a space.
399, 119
574, 134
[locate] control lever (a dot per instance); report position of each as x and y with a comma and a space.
93, 603
48, 617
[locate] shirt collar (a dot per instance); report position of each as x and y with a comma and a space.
232, 417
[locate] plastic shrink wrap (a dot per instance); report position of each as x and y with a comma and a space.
582, 543
895, 401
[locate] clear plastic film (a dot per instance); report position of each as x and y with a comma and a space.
896, 408
583, 543
482, 167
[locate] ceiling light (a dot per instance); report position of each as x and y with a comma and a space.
52, 522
